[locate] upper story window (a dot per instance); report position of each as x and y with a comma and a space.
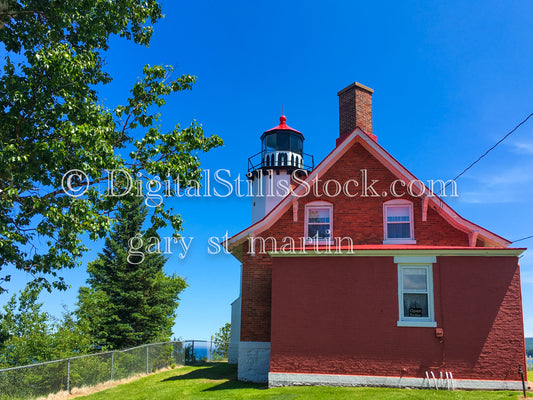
319, 221
398, 223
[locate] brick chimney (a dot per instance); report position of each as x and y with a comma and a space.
355, 110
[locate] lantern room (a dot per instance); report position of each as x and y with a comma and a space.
282, 146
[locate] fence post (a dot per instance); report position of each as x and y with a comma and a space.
68, 375
112, 361
146, 360
174, 353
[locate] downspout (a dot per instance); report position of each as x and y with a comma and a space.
441, 312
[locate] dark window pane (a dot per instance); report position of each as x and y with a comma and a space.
296, 144
415, 305
283, 141
398, 231
322, 231
270, 142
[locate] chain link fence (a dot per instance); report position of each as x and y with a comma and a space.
42, 379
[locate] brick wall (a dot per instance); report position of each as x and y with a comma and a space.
256, 294
355, 109
360, 218
338, 315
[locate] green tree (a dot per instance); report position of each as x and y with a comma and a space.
221, 340
52, 121
25, 330
28, 334
129, 300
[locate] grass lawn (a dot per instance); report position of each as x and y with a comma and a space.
218, 381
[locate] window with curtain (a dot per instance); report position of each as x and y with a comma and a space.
398, 222
319, 221
415, 295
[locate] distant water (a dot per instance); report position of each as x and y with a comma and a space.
202, 349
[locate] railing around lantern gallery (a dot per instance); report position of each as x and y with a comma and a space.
277, 159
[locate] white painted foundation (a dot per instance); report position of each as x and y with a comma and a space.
254, 361
283, 379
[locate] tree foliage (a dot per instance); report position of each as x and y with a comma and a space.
221, 340
52, 121
130, 300
29, 335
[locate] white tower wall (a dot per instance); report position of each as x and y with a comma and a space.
268, 191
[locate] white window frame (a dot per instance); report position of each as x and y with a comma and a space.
398, 203
318, 205
416, 262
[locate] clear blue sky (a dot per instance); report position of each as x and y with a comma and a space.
450, 80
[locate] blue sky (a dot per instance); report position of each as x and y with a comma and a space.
449, 79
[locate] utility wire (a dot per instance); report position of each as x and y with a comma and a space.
489, 150
524, 238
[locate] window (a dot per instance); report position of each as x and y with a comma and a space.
296, 143
283, 141
269, 142
319, 221
415, 294
398, 222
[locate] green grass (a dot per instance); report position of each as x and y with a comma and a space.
218, 381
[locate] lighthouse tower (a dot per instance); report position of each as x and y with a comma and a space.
270, 170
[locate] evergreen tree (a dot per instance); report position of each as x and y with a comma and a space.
129, 300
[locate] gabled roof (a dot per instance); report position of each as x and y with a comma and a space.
359, 136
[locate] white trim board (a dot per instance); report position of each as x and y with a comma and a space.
415, 260
276, 379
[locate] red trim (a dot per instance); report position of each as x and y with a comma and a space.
343, 137
282, 125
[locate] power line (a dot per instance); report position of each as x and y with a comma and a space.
524, 238
489, 150
493, 147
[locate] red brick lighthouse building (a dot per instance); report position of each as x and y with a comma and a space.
354, 272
